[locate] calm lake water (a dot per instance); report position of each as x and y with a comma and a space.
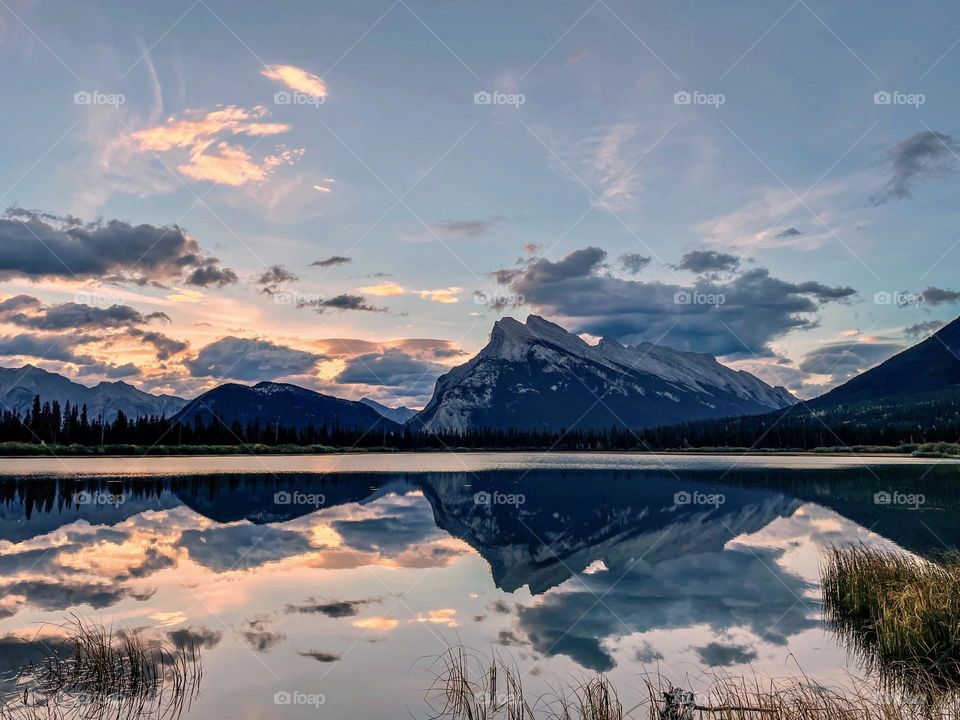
343, 577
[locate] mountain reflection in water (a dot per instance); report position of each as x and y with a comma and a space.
311, 583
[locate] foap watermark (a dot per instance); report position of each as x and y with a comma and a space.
95, 97
98, 497
684, 97
97, 299
299, 498
498, 300
298, 299
895, 97
901, 298
910, 500
685, 497
684, 297
285, 697
498, 498
287, 97
496, 97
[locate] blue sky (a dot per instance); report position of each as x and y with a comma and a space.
786, 187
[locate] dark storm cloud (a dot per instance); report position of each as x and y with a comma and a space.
52, 595
633, 262
940, 296
165, 346
241, 547
275, 276
61, 348
845, 359
390, 368
27, 311
248, 359
717, 654
464, 229
42, 245
922, 329
341, 303
114, 372
928, 154
189, 638
756, 308
701, 261
788, 233
331, 261
331, 608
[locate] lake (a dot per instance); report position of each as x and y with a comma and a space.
326, 586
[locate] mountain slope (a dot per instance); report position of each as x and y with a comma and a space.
930, 366
287, 405
539, 376
398, 414
18, 387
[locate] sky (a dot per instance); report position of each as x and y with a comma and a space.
348, 195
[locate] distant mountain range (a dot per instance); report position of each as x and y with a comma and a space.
539, 376
18, 387
283, 404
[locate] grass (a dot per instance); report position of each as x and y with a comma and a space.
899, 614
468, 686
97, 672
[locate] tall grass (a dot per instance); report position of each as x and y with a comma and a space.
97, 672
467, 686
900, 615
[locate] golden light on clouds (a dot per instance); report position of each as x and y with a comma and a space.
296, 79
377, 623
443, 295
185, 295
386, 289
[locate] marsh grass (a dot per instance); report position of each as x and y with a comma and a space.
468, 686
98, 672
900, 615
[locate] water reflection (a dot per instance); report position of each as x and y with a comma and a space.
577, 569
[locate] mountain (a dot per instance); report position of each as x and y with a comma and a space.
538, 376
929, 367
18, 387
398, 414
288, 405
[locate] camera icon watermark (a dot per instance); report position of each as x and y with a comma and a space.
97, 299
286, 97
98, 497
285, 697
686, 297
95, 97
895, 97
498, 498
498, 300
685, 497
297, 299
899, 298
496, 97
684, 97
284, 497
909, 500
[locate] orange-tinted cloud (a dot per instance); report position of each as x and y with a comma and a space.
296, 79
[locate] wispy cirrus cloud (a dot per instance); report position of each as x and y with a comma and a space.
297, 79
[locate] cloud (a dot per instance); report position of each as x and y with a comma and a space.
208, 156
331, 261
190, 638
391, 368
443, 295
275, 276
756, 307
701, 261
225, 548
939, 296
922, 329
788, 233
464, 229
323, 657
342, 303
843, 360
717, 654
252, 360
165, 346
111, 371
927, 154
62, 348
633, 263
39, 245
296, 79
331, 608
27, 311
385, 289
